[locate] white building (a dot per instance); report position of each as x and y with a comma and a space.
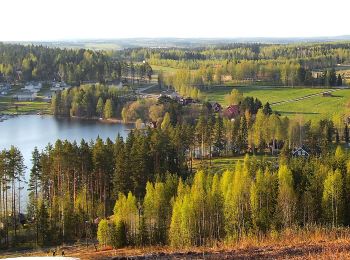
59, 86
26, 96
33, 87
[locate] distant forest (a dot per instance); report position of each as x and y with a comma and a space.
26, 63
280, 64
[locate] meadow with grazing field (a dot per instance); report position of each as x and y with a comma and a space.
314, 107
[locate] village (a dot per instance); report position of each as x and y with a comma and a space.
31, 91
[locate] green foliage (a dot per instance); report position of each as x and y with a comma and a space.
166, 122
108, 109
117, 234
234, 98
332, 197
286, 201
103, 232
90, 101
69, 65
126, 211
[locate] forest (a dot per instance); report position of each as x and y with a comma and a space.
91, 101
145, 191
19, 63
276, 64
159, 185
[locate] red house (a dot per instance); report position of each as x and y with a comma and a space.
232, 111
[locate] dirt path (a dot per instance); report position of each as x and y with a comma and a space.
304, 97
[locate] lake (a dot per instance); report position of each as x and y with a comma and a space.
27, 131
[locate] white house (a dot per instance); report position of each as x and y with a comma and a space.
33, 87
59, 86
300, 151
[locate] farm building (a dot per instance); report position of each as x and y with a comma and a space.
327, 94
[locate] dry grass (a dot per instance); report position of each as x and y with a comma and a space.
291, 244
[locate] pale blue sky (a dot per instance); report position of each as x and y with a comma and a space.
77, 19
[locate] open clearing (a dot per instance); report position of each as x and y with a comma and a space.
312, 107
316, 107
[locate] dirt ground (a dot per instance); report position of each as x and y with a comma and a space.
335, 249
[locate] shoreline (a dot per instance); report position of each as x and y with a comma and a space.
102, 120
4, 117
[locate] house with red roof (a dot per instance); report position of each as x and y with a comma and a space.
232, 111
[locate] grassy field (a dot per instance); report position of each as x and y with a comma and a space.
7, 106
265, 94
164, 69
316, 107
312, 108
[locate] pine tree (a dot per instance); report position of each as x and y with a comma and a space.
243, 135
35, 173
219, 136
43, 223
267, 109
33, 187
121, 178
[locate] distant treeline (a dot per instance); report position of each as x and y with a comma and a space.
289, 65
26, 63
337, 52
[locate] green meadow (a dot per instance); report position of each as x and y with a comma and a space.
315, 107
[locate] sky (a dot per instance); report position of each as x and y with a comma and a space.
46, 20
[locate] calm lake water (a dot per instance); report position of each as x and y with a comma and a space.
28, 131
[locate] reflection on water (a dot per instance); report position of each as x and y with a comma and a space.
28, 131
